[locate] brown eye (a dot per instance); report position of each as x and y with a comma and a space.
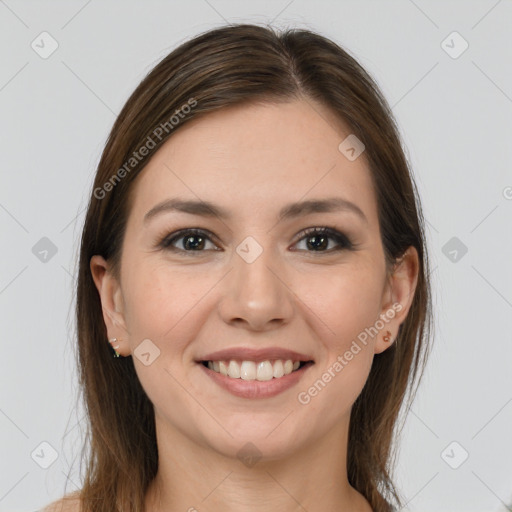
317, 240
190, 240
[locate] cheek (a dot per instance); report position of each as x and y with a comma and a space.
345, 301
328, 397
347, 304
159, 300
147, 304
154, 295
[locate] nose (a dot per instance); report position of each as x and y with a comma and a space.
256, 295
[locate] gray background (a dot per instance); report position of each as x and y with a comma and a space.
456, 117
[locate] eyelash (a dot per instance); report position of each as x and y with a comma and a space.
344, 243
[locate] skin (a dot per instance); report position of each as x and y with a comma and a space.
252, 160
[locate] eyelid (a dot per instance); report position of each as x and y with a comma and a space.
343, 241
167, 240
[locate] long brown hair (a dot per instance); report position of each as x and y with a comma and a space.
227, 66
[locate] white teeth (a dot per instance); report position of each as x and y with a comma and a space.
234, 370
223, 368
278, 369
250, 370
264, 371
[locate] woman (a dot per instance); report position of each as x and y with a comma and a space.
253, 304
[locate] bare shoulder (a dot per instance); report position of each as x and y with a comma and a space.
69, 503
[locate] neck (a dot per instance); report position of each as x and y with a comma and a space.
192, 478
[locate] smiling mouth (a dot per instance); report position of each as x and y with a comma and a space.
265, 370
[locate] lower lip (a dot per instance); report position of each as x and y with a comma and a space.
256, 388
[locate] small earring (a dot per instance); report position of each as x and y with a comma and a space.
387, 337
114, 340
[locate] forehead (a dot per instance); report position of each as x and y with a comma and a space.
255, 158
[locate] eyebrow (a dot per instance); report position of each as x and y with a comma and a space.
292, 210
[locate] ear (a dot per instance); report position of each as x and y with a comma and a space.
112, 303
398, 296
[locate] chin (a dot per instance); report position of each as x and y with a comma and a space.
261, 441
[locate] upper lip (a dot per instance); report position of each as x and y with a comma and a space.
251, 354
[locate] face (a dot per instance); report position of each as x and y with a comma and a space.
253, 276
